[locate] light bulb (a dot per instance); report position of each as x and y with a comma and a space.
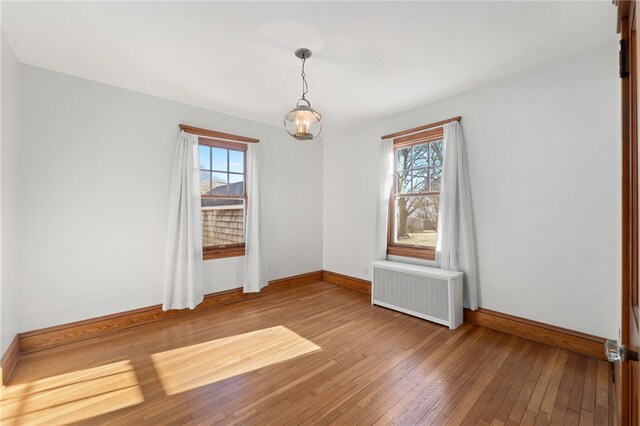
302, 127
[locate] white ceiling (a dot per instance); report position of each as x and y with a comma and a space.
370, 59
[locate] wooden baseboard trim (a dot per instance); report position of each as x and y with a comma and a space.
551, 335
9, 361
91, 328
540, 332
353, 283
53, 336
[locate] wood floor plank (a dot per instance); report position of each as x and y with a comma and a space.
537, 396
551, 392
318, 354
438, 355
427, 373
577, 387
491, 397
477, 389
564, 391
502, 401
436, 384
519, 407
602, 384
586, 418
590, 383
383, 391
454, 392
572, 418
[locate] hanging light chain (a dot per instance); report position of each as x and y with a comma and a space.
305, 86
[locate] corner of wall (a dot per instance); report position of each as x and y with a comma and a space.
9, 94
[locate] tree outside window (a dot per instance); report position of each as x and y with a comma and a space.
416, 197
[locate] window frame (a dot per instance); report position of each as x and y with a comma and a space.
226, 250
399, 249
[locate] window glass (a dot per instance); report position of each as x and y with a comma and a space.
236, 161
205, 182
205, 157
220, 158
417, 194
417, 220
222, 179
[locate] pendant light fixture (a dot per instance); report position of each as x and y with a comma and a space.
303, 122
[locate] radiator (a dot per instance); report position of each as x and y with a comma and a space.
429, 293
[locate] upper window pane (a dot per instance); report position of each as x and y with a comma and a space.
403, 161
205, 183
404, 182
220, 159
436, 153
420, 156
420, 181
436, 174
419, 168
236, 184
219, 184
204, 153
236, 161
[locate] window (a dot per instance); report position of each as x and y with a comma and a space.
223, 197
414, 205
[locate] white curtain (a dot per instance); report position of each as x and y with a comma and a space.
455, 248
255, 259
385, 185
183, 262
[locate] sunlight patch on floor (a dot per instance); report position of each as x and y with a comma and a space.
55, 400
204, 363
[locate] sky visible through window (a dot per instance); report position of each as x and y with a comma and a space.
220, 169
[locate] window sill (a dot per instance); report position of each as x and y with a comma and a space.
210, 253
426, 253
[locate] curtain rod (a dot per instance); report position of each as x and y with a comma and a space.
425, 127
219, 135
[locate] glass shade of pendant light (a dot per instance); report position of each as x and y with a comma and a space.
303, 122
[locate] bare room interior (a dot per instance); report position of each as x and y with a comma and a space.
310, 212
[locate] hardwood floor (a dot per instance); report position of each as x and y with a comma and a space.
318, 354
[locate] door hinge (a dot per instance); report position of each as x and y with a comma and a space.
624, 59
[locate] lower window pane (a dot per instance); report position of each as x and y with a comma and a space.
416, 220
222, 221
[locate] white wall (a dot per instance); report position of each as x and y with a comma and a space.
95, 165
8, 212
544, 162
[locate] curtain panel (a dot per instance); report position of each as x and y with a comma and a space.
183, 259
385, 186
255, 260
455, 248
